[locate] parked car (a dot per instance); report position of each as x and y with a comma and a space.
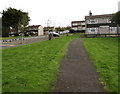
66, 31
54, 34
61, 32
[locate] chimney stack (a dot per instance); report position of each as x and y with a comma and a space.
90, 13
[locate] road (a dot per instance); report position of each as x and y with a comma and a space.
19, 42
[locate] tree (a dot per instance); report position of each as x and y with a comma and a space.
10, 18
24, 22
116, 21
25, 19
116, 18
13, 18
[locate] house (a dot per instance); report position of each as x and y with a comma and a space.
48, 29
14, 32
78, 25
99, 24
35, 30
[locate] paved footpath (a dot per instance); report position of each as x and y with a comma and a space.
77, 72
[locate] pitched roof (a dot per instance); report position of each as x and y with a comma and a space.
48, 27
77, 21
99, 16
34, 25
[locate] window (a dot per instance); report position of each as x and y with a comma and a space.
112, 29
92, 30
74, 28
109, 20
93, 21
82, 23
74, 24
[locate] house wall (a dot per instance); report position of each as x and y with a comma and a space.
92, 30
74, 28
99, 26
98, 20
113, 30
104, 20
40, 31
78, 25
104, 30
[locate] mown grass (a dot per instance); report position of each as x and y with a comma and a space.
104, 53
34, 67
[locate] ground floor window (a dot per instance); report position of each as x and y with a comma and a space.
74, 28
93, 30
113, 29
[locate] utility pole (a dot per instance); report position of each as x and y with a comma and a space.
49, 33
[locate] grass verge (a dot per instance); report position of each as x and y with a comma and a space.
104, 53
34, 67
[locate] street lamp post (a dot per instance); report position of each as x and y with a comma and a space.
49, 33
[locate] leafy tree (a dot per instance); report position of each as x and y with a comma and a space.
58, 29
25, 19
116, 18
10, 18
24, 22
62, 28
13, 18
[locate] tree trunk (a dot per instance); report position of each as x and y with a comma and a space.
5, 31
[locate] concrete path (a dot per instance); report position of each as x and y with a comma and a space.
77, 72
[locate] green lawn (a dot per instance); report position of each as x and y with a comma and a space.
104, 53
34, 67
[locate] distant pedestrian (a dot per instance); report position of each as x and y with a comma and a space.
50, 36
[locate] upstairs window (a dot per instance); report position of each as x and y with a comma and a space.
79, 23
93, 21
74, 24
109, 20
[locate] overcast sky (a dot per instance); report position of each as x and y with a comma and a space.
60, 12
